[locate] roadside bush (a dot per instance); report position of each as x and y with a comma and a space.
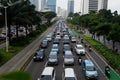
111, 56
20, 41
16, 76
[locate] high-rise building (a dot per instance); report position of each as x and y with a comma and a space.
51, 4
102, 4
93, 5
70, 6
43, 4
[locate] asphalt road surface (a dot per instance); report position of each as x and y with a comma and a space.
36, 68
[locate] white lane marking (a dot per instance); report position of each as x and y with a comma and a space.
46, 63
38, 79
93, 61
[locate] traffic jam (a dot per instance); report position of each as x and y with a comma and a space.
65, 56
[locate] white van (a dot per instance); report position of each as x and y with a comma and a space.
69, 74
48, 73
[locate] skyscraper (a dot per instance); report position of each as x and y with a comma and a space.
43, 4
70, 6
102, 4
93, 5
51, 4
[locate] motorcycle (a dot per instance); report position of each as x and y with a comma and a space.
107, 71
89, 49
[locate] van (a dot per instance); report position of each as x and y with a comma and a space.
89, 70
69, 74
48, 73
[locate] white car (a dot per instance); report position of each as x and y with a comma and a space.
80, 50
49, 37
58, 37
73, 39
69, 74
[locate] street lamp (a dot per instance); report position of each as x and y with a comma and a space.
5, 7
7, 42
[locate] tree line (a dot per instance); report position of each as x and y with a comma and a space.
22, 14
102, 23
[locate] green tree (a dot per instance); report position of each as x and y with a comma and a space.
114, 34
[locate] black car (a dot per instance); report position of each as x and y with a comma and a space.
56, 41
39, 55
66, 41
44, 43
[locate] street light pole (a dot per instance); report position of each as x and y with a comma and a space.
7, 42
5, 7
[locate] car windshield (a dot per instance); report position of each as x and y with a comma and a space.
54, 47
68, 56
45, 77
70, 78
67, 47
40, 53
53, 56
90, 68
80, 47
44, 42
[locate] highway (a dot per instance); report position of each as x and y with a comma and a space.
36, 68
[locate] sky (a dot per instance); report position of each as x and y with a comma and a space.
112, 4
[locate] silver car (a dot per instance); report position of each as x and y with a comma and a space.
68, 58
53, 58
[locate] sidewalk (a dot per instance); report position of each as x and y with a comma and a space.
22, 59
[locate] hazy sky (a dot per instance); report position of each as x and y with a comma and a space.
114, 5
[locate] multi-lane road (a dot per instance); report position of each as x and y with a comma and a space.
36, 68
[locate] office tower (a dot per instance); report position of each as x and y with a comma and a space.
43, 4
51, 4
70, 6
93, 5
102, 4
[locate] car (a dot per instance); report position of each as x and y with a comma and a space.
58, 37
68, 58
89, 70
39, 55
53, 58
66, 47
56, 41
66, 41
2, 37
48, 73
73, 39
69, 74
65, 37
80, 50
55, 48
49, 37
44, 43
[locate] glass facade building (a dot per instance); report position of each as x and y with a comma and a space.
51, 4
